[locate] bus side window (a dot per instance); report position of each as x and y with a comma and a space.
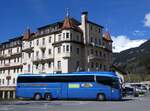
56, 79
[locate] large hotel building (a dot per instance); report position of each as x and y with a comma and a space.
61, 47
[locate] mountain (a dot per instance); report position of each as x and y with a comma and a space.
134, 60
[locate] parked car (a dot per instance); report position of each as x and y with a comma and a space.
130, 91
141, 90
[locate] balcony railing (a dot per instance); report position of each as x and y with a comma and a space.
43, 58
10, 65
27, 48
6, 55
15, 53
94, 57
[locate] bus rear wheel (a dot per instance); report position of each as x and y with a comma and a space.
48, 96
100, 97
37, 96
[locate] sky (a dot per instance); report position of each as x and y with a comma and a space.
128, 21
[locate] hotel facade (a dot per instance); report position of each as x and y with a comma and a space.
61, 47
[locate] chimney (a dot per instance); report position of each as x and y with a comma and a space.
84, 19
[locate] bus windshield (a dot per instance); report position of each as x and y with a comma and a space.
109, 81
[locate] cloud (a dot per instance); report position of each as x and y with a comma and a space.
122, 42
147, 20
138, 33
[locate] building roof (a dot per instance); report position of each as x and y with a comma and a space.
15, 39
60, 23
95, 24
107, 36
69, 23
27, 35
3, 43
51, 25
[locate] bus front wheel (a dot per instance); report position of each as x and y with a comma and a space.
100, 97
37, 96
47, 96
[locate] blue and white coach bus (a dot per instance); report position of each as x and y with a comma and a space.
78, 85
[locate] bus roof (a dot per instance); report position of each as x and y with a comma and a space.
110, 74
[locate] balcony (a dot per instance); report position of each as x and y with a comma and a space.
8, 66
42, 59
6, 55
11, 55
94, 57
14, 54
5, 65
27, 49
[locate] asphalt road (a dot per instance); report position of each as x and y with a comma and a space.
128, 104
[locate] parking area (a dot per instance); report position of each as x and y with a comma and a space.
127, 104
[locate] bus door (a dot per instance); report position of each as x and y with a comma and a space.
64, 90
115, 90
114, 94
